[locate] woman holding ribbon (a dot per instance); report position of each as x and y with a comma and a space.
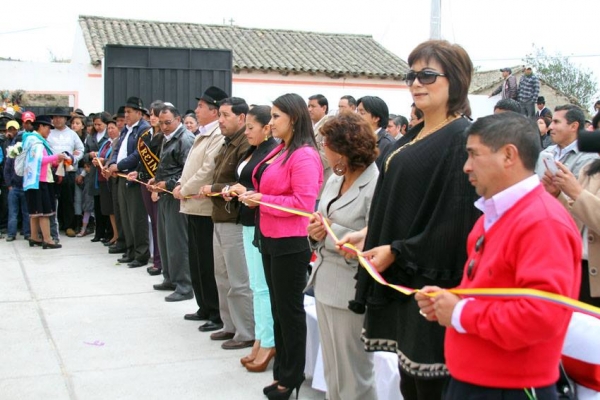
290, 176
351, 149
105, 184
420, 218
258, 134
38, 181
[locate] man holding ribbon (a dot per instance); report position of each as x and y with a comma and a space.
500, 347
125, 159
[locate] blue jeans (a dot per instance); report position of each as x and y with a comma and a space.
17, 203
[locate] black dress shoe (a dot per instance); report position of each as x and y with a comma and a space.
136, 264
94, 240
153, 271
104, 240
194, 317
46, 246
164, 286
179, 297
125, 260
116, 250
210, 326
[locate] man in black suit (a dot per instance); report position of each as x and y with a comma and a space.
542, 111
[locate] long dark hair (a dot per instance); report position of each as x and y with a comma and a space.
594, 168
302, 131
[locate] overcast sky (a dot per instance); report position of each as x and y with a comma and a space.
495, 33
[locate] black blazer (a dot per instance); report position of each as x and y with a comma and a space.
545, 112
246, 216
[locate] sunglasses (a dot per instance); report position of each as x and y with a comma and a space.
473, 263
426, 77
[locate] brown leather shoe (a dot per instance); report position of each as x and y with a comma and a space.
261, 366
222, 335
235, 345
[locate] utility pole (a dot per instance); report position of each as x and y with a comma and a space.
435, 23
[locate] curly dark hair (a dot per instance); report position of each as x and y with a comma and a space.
349, 135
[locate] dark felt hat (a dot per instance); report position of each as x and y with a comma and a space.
43, 120
120, 112
541, 100
135, 103
59, 112
213, 95
5, 116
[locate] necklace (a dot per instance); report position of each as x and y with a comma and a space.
422, 135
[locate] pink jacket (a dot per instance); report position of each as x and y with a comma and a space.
294, 184
45, 161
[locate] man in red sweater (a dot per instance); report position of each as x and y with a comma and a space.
508, 348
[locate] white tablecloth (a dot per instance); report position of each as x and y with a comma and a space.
387, 378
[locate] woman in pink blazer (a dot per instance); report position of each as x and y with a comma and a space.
290, 176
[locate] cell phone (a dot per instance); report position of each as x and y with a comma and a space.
548, 160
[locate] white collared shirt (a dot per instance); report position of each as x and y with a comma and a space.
100, 135
168, 137
495, 207
208, 128
123, 148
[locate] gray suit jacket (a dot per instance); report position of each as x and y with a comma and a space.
333, 277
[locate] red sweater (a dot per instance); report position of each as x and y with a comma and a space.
517, 343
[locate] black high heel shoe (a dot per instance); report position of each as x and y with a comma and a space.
270, 388
34, 242
51, 245
284, 394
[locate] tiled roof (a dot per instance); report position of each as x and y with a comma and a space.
253, 49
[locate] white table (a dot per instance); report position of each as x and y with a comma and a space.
387, 377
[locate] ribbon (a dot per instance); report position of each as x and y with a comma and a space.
562, 301
147, 157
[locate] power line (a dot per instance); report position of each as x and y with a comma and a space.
23, 30
520, 58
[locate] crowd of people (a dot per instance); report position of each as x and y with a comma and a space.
432, 202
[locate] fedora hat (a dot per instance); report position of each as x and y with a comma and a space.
43, 120
541, 100
59, 112
135, 103
213, 95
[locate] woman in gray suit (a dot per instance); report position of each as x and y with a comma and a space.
351, 149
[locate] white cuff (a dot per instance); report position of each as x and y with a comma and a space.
456, 313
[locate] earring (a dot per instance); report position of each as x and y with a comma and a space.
340, 168
266, 138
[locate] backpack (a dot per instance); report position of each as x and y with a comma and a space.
20, 163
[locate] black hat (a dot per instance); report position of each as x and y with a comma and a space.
213, 95
120, 112
59, 112
506, 70
6, 116
541, 100
145, 112
135, 103
43, 120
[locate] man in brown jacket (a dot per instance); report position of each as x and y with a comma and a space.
231, 271
197, 172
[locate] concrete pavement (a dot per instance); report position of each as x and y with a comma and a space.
76, 325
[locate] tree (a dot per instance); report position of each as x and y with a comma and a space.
563, 75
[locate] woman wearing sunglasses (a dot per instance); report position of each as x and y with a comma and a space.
421, 214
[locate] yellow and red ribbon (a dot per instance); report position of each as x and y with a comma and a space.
562, 301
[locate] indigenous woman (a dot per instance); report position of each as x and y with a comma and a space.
38, 182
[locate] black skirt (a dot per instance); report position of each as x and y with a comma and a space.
106, 203
41, 202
